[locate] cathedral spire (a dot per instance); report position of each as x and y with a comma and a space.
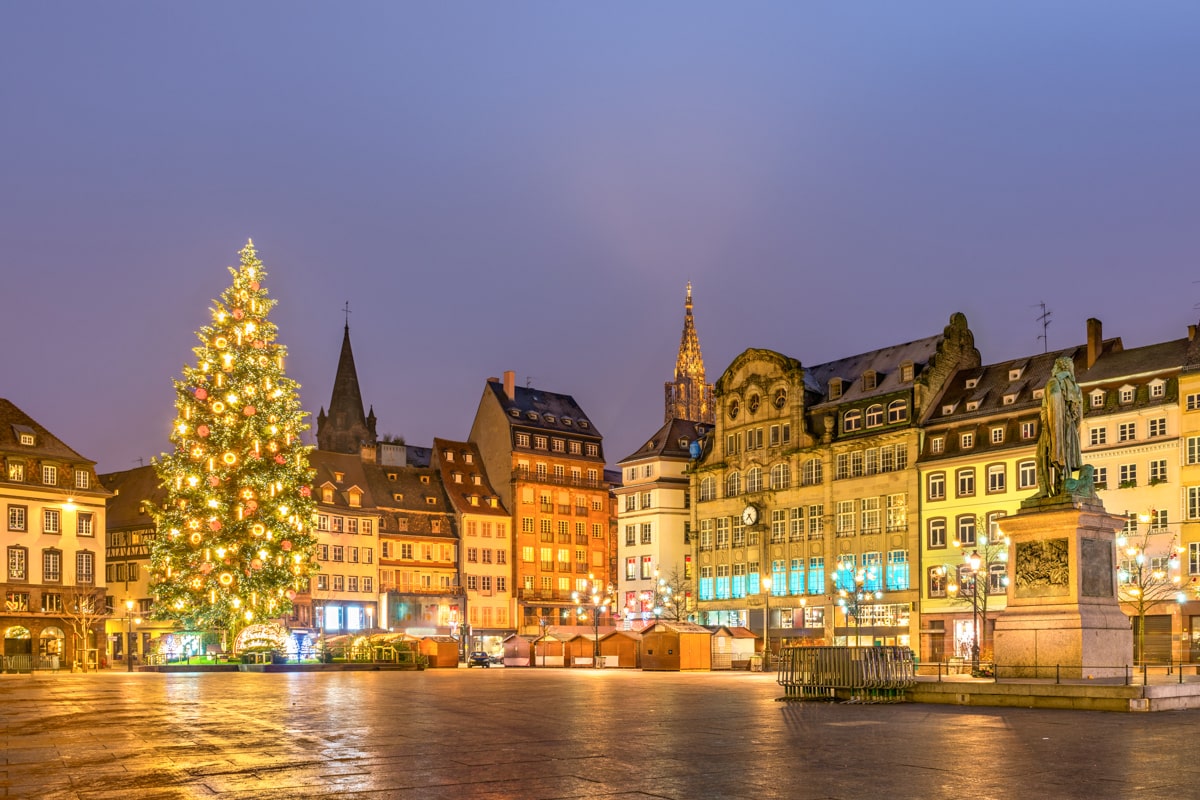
345, 428
688, 397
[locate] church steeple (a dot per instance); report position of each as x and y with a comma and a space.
345, 428
688, 397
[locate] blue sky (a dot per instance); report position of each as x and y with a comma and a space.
529, 186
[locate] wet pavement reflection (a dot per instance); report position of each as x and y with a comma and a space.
553, 733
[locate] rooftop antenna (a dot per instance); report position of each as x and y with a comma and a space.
529, 381
141, 461
1044, 318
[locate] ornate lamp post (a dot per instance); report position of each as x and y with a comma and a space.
973, 584
129, 622
766, 651
599, 600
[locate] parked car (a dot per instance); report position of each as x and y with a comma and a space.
479, 658
496, 658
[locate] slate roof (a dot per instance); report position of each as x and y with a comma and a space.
14, 421
885, 362
460, 493
559, 406
1117, 365
135, 492
665, 442
993, 385
325, 464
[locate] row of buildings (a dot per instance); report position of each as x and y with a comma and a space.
878, 472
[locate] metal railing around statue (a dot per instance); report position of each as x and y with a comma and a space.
846, 674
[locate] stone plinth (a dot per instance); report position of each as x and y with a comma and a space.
1062, 594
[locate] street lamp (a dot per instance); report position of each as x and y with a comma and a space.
129, 622
973, 583
599, 601
766, 651
1146, 579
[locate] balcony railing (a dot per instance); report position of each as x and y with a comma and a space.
559, 480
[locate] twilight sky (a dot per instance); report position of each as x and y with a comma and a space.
529, 186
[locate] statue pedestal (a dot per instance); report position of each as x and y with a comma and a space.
1063, 616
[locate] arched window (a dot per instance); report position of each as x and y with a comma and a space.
874, 416
708, 488
852, 421
733, 484
897, 411
812, 472
754, 480
781, 476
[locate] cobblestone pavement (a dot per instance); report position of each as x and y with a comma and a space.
533, 733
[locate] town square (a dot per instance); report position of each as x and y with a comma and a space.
552, 400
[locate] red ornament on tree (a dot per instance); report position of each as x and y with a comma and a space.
248, 411
254, 285
214, 481
238, 313
305, 491
286, 544
206, 567
202, 431
215, 525
279, 459
201, 393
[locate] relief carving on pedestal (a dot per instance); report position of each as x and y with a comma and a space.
1041, 569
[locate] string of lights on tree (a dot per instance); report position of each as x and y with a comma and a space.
235, 538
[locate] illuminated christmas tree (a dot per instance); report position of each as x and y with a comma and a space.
235, 537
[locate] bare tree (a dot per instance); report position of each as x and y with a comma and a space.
674, 596
83, 609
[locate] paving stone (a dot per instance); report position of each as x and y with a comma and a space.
544, 733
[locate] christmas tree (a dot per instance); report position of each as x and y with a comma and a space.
235, 539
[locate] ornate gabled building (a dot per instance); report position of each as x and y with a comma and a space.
54, 509
806, 479
545, 459
485, 559
689, 397
342, 597
345, 429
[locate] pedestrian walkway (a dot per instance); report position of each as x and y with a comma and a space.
541, 734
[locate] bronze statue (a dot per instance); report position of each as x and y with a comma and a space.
1059, 455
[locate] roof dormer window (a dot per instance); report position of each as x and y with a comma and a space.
906, 371
448, 455
468, 458
1097, 398
1158, 388
425, 479
1015, 372
1009, 399
533, 415
870, 380
457, 476
567, 421
550, 418
475, 479
27, 439
1127, 394
514, 412
583, 423
1038, 393
338, 477
948, 409
972, 383
972, 405
835, 388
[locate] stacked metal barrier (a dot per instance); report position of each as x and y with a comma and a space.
847, 674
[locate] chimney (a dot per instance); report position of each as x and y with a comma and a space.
1191, 333
1095, 335
510, 384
